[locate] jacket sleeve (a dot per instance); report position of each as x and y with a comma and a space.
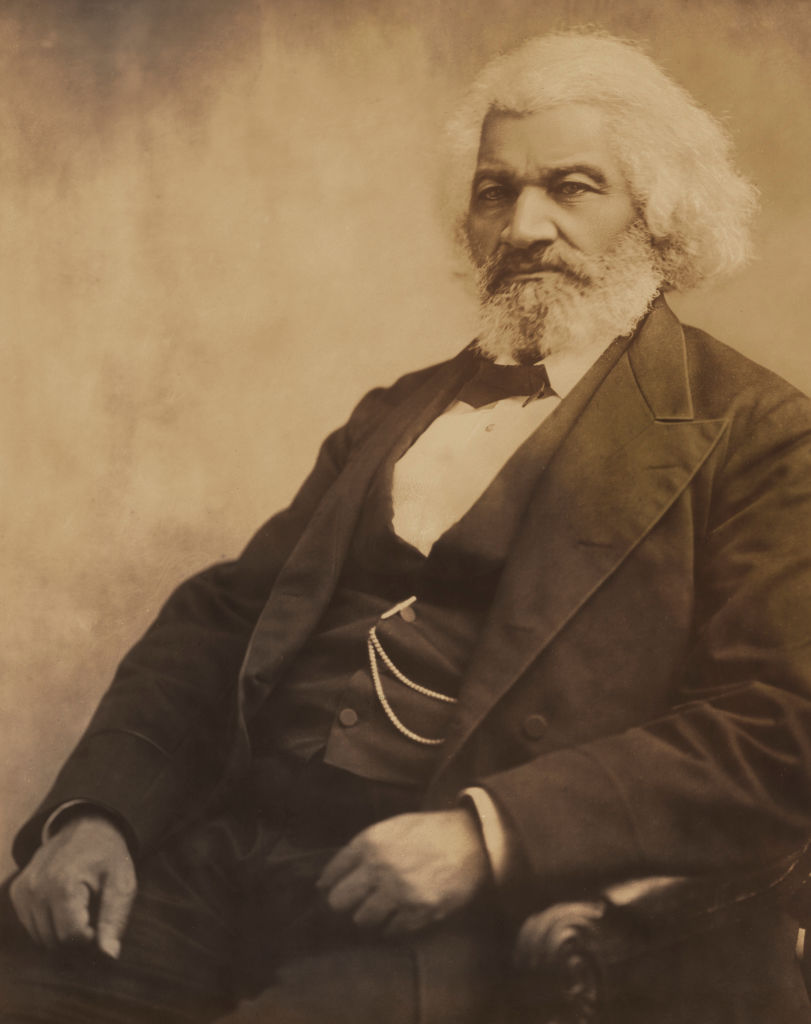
723, 779
158, 739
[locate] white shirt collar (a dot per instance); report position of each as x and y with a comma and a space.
567, 367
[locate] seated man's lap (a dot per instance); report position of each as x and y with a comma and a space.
229, 910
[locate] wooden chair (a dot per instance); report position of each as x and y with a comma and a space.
594, 962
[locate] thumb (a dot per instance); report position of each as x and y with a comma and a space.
117, 894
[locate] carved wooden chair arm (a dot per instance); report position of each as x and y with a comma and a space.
572, 959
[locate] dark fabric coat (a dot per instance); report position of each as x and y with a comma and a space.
640, 699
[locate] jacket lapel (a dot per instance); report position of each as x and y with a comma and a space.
632, 452
308, 579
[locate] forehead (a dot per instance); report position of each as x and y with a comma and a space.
567, 135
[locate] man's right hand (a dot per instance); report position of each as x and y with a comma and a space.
78, 887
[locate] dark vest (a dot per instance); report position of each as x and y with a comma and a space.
326, 707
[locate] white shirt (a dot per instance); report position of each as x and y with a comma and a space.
448, 468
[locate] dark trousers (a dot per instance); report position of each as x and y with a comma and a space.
227, 924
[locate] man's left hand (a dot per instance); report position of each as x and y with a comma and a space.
409, 871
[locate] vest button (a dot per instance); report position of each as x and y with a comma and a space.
348, 717
408, 614
535, 726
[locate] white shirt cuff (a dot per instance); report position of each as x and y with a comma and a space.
493, 831
47, 828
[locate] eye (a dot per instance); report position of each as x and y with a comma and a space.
572, 188
490, 195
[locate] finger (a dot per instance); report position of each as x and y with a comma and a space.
351, 890
408, 920
42, 921
21, 902
344, 861
71, 916
117, 894
374, 911
24, 911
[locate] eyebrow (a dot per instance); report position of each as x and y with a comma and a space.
499, 172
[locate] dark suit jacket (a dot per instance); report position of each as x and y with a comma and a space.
640, 700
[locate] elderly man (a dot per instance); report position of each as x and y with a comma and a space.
537, 620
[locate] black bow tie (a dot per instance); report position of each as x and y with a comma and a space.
494, 381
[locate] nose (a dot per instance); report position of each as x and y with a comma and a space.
532, 219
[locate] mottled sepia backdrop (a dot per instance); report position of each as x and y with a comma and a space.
217, 229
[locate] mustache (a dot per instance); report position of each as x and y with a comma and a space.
509, 263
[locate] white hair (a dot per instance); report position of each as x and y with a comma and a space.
676, 156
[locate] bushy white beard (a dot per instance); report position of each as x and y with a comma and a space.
589, 299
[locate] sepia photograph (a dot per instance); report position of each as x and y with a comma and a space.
406, 527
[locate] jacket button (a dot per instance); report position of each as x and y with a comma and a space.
348, 717
535, 726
